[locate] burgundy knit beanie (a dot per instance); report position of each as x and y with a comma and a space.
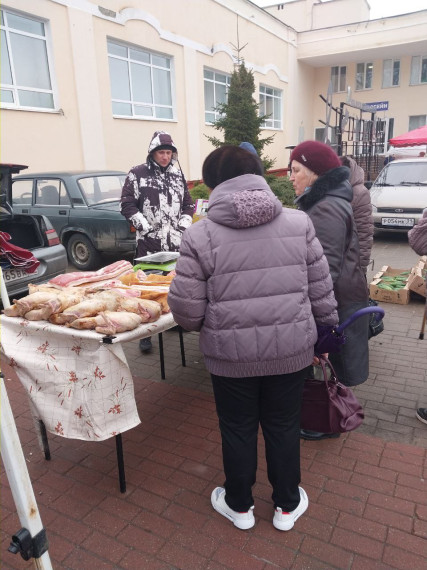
316, 156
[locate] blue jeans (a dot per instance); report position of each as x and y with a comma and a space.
274, 402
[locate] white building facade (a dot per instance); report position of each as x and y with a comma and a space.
85, 84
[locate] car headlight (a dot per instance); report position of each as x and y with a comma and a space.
374, 209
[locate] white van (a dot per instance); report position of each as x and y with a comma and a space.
399, 194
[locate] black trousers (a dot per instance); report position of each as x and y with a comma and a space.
274, 402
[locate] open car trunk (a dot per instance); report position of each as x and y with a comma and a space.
24, 230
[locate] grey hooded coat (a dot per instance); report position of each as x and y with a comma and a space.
328, 203
252, 278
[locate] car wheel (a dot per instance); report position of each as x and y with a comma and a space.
81, 252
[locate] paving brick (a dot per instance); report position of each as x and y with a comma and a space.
362, 526
346, 504
140, 560
275, 554
302, 562
388, 518
154, 523
179, 557
190, 482
103, 546
147, 500
357, 543
349, 490
138, 538
362, 563
397, 505
330, 471
373, 483
402, 559
104, 522
196, 541
80, 558
401, 466
365, 468
70, 529
420, 529
237, 559
71, 507
333, 555
186, 517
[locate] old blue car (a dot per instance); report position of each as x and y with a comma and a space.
84, 209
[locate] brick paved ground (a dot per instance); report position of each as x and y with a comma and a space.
368, 502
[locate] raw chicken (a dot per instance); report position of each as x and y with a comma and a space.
115, 322
105, 301
149, 311
33, 301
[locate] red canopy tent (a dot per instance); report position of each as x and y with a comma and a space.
412, 138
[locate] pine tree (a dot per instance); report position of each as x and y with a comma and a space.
239, 118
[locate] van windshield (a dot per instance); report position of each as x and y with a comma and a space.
403, 173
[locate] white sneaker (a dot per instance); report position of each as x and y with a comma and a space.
285, 521
240, 520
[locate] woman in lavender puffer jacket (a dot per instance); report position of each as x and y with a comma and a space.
252, 278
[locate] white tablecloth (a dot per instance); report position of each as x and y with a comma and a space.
80, 386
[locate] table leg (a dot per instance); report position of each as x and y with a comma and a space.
45, 443
162, 357
181, 344
120, 463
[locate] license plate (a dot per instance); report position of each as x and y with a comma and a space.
14, 274
398, 222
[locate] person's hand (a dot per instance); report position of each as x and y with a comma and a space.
316, 360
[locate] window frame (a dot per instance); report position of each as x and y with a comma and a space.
15, 88
274, 97
420, 123
416, 75
339, 78
214, 82
365, 75
391, 73
131, 101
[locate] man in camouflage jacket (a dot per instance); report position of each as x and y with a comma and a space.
156, 200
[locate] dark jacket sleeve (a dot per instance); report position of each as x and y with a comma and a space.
362, 211
187, 297
417, 237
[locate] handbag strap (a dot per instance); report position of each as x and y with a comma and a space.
326, 362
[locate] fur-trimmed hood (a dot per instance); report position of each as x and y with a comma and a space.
335, 182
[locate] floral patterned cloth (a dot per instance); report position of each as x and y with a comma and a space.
78, 385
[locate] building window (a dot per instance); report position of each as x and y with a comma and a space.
270, 105
417, 121
364, 72
418, 70
339, 78
25, 69
141, 82
216, 86
391, 72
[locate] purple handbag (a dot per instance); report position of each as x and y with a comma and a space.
327, 405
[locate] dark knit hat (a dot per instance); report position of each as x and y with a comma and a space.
316, 156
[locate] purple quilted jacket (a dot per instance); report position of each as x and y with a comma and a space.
252, 278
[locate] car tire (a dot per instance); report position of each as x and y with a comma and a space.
81, 253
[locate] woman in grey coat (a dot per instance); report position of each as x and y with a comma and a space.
325, 194
252, 278
362, 210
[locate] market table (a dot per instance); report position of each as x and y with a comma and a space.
78, 381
